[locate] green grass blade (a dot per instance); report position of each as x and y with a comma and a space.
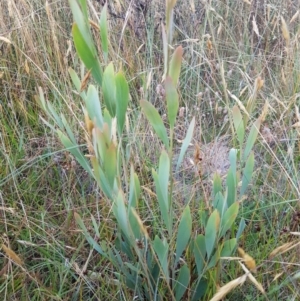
55, 116
86, 234
68, 129
95, 226
48, 124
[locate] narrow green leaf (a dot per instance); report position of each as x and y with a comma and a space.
135, 189
41, 99
229, 247
120, 212
229, 218
219, 203
134, 223
93, 106
74, 150
88, 237
109, 89
247, 173
232, 159
165, 49
89, 58
203, 217
184, 233
169, 19
231, 179
172, 101
48, 124
186, 142
75, 79
55, 116
110, 164
81, 19
161, 201
200, 290
107, 120
241, 228
103, 32
182, 282
231, 188
83, 4
95, 226
101, 141
100, 177
252, 137
200, 253
211, 231
68, 129
156, 121
217, 184
163, 176
122, 98
214, 258
238, 124
175, 64
161, 248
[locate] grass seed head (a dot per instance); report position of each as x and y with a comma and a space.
285, 30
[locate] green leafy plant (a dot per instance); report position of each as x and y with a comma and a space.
174, 262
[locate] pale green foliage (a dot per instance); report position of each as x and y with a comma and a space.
151, 271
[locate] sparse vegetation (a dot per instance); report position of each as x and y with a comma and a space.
168, 169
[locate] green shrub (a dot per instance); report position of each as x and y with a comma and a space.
174, 262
